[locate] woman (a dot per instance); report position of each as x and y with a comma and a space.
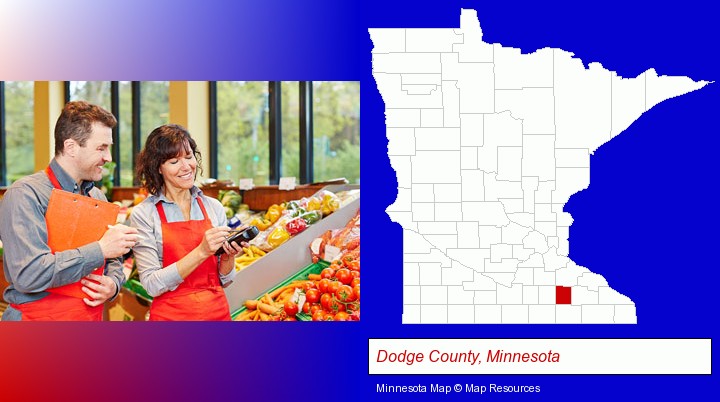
180, 229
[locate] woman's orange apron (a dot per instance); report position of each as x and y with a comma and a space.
200, 297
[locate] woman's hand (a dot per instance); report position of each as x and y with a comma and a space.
214, 239
227, 260
232, 249
240, 229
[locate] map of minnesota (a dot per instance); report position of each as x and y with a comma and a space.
488, 145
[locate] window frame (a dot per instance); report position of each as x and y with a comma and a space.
306, 134
274, 131
3, 154
3, 136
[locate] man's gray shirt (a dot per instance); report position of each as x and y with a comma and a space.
29, 265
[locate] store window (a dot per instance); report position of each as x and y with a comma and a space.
290, 129
336, 130
242, 131
245, 143
154, 106
125, 129
18, 105
95, 92
152, 101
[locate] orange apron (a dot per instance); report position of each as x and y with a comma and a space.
200, 297
59, 305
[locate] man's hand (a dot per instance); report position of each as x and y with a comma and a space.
99, 291
118, 240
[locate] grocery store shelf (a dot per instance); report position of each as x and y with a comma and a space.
285, 261
315, 268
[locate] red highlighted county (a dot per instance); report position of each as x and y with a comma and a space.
563, 295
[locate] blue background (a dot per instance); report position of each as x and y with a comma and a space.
648, 222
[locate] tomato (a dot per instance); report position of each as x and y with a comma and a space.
344, 276
306, 308
345, 294
318, 316
354, 265
333, 287
356, 291
341, 316
312, 296
315, 307
325, 300
355, 306
329, 317
291, 309
290, 319
327, 273
355, 281
308, 285
323, 285
336, 306
355, 274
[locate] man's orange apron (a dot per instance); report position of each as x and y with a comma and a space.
64, 303
200, 297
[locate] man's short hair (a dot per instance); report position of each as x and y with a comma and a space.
76, 122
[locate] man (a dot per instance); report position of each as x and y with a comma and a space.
83, 136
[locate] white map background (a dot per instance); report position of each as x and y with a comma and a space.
488, 145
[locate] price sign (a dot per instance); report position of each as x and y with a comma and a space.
287, 183
246, 184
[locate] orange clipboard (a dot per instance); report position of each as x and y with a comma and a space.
74, 220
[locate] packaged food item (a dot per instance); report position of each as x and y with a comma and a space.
333, 244
261, 223
278, 236
330, 202
234, 222
311, 217
274, 213
314, 203
295, 226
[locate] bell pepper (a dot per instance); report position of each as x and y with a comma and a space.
297, 212
314, 204
261, 224
311, 217
330, 203
278, 236
273, 215
295, 226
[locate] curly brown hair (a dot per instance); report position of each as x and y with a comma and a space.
164, 143
76, 120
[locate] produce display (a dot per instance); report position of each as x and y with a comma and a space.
283, 221
332, 294
328, 290
232, 201
251, 254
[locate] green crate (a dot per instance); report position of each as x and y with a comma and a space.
314, 268
303, 317
134, 286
